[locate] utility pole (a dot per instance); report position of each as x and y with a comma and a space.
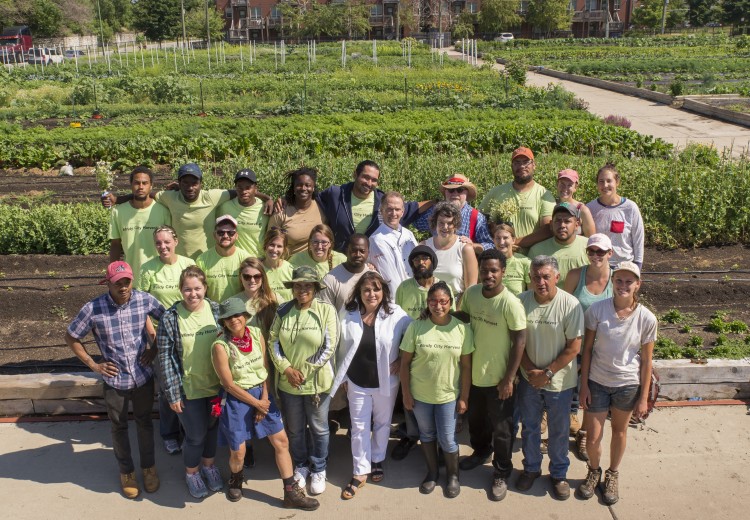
664, 16
606, 20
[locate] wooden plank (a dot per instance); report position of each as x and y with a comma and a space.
714, 371
16, 407
50, 386
683, 392
69, 406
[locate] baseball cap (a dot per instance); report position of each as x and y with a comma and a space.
568, 174
569, 208
247, 174
190, 169
628, 266
599, 240
522, 152
117, 271
226, 218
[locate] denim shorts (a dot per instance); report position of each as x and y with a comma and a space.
620, 397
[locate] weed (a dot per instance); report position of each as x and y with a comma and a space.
686, 329
51, 274
58, 311
694, 341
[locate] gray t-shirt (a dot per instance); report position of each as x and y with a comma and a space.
339, 283
624, 227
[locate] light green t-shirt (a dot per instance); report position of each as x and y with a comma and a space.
534, 204
222, 273
304, 258
251, 224
135, 229
197, 332
162, 280
548, 328
436, 365
277, 277
492, 319
568, 257
412, 297
516, 276
194, 221
248, 369
362, 210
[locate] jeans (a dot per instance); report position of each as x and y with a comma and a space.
532, 402
437, 422
491, 425
117, 402
300, 413
200, 439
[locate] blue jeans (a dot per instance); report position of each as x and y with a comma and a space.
299, 413
437, 422
531, 403
200, 434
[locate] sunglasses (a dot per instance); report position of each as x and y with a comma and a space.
438, 302
252, 277
457, 190
225, 233
597, 252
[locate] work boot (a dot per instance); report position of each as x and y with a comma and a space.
234, 487
129, 485
588, 487
560, 488
150, 479
610, 494
472, 461
452, 486
574, 424
429, 449
526, 480
499, 488
294, 498
581, 446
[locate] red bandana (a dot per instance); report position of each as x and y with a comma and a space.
245, 343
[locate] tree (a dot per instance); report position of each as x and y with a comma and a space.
195, 24
702, 12
406, 17
158, 19
649, 13
499, 15
464, 26
115, 13
45, 18
737, 12
549, 15
356, 18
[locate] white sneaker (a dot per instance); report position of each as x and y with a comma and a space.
300, 476
318, 483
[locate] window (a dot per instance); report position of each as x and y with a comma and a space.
524, 6
471, 7
616, 5
228, 12
376, 10
275, 12
255, 13
243, 12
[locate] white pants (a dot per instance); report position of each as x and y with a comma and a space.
368, 407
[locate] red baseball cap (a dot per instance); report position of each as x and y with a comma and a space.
117, 271
522, 152
569, 174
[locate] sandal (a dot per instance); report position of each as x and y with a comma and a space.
351, 488
377, 474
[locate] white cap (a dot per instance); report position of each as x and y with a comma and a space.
629, 266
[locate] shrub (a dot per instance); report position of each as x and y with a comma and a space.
617, 121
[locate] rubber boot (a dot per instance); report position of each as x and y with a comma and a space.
431, 458
234, 489
452, 486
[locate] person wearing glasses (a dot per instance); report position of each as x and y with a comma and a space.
319, 254
222, 262
435, 382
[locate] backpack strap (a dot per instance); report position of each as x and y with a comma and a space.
473, 224
284, 309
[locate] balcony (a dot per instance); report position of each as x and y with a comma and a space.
242, 24
238, 3
589, 16
273, 21
381, 20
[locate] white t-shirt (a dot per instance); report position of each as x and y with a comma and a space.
616, 360
450, 264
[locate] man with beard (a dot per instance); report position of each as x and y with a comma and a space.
535, 203
222, 262
132, 224
568, 248
341, 279
247, 209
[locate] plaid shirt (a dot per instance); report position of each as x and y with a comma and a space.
120, 334
482, 232
169, 342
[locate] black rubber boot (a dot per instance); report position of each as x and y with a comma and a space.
452, 486
234, 489
431, 458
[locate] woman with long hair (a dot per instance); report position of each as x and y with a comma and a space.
516, 278
319, 253
278, 270
260, 301
301, 212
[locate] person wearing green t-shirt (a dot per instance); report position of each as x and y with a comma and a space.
247, 209
498, 322
319, 254
277, 269
516, 278
534, 202
222, 263
568, 248
435, 382
554, 326
132, 223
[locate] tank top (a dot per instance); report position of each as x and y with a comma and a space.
585, 297
450, 265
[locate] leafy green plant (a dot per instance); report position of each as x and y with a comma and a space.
676, 316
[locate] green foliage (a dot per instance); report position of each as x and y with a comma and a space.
677, 88
649, 13
170, 89
496, 16
159, 20
695, 341
675, 316
549, 15
517, 71
665, 348
45, 18
195, 24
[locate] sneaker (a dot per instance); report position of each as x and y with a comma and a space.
499, 488
526, 480
300, 476
610, 493
150, 479
402, 449
560, 488
318, 482
294, 498
213, 477
588, 487
581, 446
473, 460
544, 422
129, 485
196, 486
574, 424
172, 447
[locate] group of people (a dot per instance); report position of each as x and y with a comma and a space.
265, 315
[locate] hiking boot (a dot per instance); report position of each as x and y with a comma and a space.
150, 479
499, 488
234, 487
318, 482
588, 487
544, 422
294, 498
213, 477
610, 493
581, 446
402, 449
574, 424
429, 449
196, 486
172, 447
452, 485
474, 460
526, 480
560, 488
129, 485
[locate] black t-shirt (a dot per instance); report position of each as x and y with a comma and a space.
363, 370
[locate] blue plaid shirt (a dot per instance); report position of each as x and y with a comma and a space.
482, 232
120, 334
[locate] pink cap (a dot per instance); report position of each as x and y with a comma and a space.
568, 174
117, 271
599, 240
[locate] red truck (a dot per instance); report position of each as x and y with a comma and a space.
14, 43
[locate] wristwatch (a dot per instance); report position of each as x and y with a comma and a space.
549, 373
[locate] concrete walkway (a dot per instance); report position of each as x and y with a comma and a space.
690, 463
675, 126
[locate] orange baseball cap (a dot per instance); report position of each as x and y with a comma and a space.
522, 152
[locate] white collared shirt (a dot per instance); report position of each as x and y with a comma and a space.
389, 253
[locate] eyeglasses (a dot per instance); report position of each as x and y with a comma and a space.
457, 190
433, 301
597, 252
320, 243
225, 233
252, 277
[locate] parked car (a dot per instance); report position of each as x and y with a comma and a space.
43, 56
504, 37
70, 54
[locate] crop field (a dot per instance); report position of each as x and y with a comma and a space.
420, 116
